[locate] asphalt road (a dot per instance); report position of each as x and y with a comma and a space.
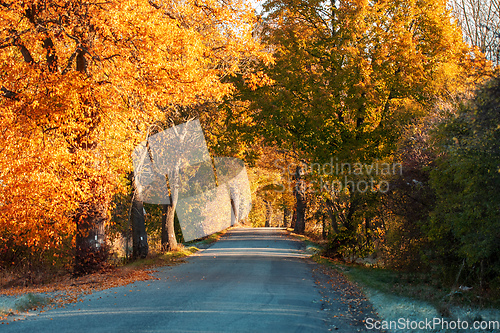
252, 280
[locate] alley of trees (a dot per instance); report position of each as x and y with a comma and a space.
409, 88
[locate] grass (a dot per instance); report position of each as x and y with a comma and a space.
162, 259
416, 285
207, 240
414, 296
11, 305
413, 285
29, 301
313, 245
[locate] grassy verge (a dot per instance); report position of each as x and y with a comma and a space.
415, 296
415, 285
12, 305
412, 296
312, 245
206, 241
162, 259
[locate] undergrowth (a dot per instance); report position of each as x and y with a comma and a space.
422, 286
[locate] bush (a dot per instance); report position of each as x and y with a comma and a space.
465, 225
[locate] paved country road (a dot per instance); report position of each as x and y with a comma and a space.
252, 280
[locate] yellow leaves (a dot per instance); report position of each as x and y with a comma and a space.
67, 135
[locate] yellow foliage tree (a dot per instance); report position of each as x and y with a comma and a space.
81, 81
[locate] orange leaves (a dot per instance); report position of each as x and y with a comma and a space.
67, 290
81, 82
258, 79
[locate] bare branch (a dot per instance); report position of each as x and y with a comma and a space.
68, 65
155, 5
3, 46
5, 4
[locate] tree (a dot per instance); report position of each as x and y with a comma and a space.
137, 219
300, 201
466, 219
349, 74
407, 205
89, 77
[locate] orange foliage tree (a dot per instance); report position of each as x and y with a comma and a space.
81, 82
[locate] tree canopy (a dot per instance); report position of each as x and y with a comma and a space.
81, 82
348, 73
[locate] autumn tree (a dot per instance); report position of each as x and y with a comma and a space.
83, 81
349, 74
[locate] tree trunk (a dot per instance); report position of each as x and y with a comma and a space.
92, 213
286, 217
300, 192
331, 213
323, 229
168, 239
269, 213
140, 246
349, 222
368, 221
91, 251
235, 205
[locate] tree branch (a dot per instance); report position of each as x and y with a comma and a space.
26, 53
154, 4
3, 46
9, 94
68, 65
5, 4
51, 56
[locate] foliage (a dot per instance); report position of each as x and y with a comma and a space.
410, 199
466, 220
82, 81
348, 74
339, 242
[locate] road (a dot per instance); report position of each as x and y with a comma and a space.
252, 280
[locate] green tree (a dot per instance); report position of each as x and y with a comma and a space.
347, 72
466, 221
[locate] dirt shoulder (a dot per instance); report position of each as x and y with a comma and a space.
345, 303
347, 306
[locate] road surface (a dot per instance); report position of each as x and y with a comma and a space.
252, 280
